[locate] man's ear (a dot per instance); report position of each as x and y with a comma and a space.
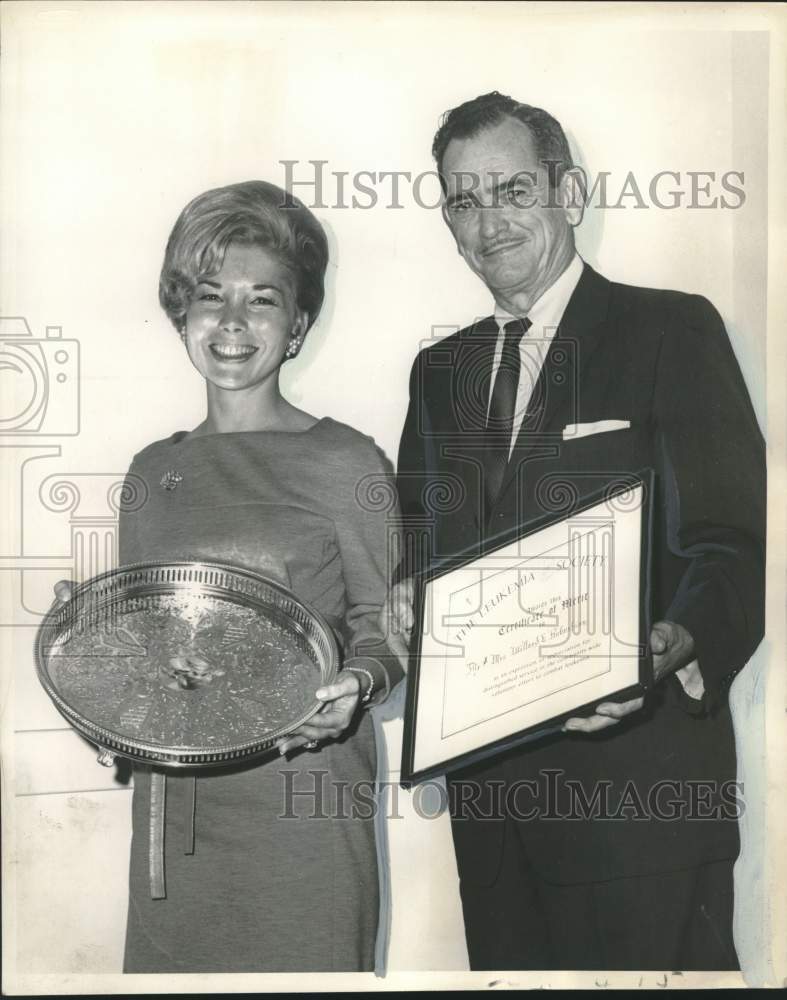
572, 194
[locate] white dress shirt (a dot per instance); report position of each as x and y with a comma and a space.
545, 315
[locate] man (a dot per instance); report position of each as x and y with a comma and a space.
645, 882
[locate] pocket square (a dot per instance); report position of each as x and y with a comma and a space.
572, 431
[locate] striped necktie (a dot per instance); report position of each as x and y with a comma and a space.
502, 406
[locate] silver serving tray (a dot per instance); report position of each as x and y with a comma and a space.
184, 664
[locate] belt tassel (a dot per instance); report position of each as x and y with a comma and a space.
191, 810
158, 801
156, 832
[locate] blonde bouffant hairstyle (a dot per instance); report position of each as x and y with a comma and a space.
251, 212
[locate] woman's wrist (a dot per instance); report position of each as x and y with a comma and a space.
372, 678
365, 683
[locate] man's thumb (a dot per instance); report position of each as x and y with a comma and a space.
659, 638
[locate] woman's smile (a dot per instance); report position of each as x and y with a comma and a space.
233, 352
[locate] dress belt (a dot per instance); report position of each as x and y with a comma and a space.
157, 825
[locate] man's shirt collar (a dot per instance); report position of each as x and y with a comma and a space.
547, 311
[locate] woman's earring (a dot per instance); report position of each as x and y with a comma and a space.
293, 347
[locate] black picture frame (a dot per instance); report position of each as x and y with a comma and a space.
621, 484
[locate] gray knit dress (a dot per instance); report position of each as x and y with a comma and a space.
283, 875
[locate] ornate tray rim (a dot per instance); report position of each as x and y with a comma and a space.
144, 751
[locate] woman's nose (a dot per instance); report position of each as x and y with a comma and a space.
233, 318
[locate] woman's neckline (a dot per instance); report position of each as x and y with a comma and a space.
180, 437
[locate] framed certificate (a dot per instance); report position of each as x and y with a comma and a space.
547, 622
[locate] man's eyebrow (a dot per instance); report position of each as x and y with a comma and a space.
520, 177
501, 184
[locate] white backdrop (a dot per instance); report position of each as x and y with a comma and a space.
114, 115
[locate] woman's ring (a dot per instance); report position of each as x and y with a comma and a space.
312, 744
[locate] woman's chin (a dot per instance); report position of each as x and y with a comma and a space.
231, 379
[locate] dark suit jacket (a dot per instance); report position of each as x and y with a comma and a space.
661, 360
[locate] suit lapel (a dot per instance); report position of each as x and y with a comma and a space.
555, 399
471, 378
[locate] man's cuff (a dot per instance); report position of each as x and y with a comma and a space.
716, 648
691, 706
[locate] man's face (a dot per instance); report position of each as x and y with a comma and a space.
514, 232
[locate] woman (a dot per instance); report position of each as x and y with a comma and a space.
283, 873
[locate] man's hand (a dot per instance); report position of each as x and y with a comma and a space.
673, 650
340, 700
609, 713
396, 620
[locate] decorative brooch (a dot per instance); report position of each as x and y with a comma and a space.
170, 479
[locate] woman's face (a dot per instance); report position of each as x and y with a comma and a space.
241, 319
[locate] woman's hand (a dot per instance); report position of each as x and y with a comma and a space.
340, 700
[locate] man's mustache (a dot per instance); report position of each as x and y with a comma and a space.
491, 248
